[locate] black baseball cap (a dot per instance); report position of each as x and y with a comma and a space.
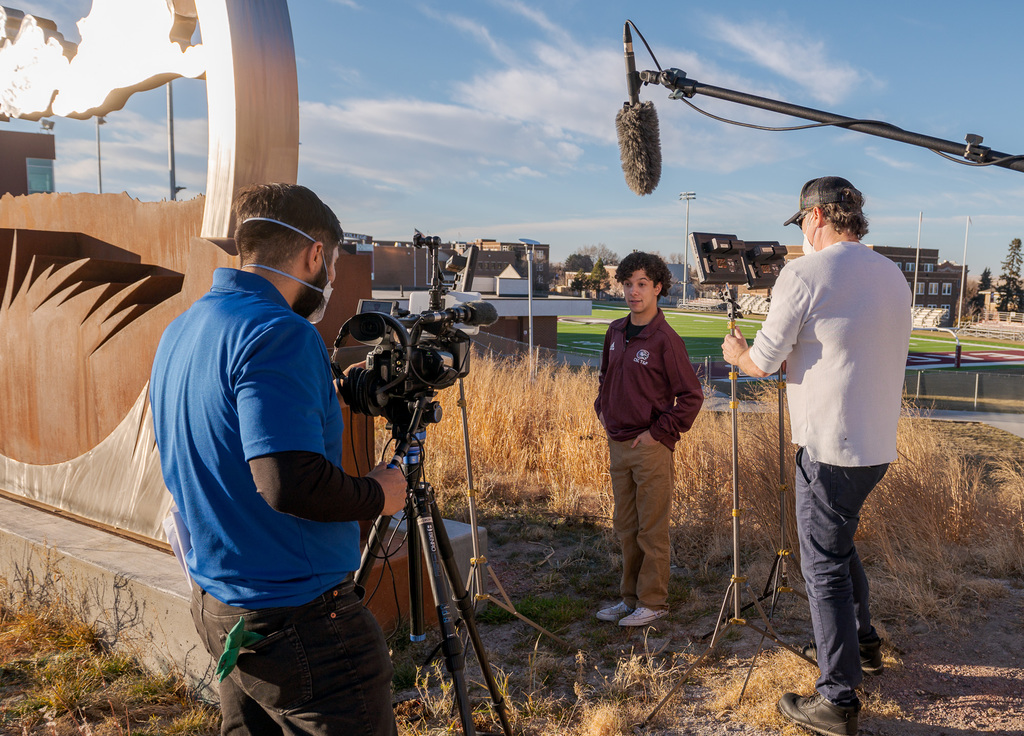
825, 190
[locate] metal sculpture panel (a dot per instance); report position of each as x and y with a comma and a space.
89, 282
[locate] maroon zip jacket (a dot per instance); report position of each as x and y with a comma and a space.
647, 383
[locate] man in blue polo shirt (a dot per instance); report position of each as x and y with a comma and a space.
249, 430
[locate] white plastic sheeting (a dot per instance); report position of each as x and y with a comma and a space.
117, 483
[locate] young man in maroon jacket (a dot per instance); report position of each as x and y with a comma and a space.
648, 396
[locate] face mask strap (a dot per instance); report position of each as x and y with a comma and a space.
278, 222
286, 275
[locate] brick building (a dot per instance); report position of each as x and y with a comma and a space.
500, 275
938, 282
26, 162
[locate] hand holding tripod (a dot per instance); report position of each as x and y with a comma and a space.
427, 538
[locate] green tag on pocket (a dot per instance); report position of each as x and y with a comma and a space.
237, 638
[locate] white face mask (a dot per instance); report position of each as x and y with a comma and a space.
318, 313
808, 248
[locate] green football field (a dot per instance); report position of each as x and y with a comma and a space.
703, 333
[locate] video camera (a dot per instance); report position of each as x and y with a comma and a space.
725, 259
414, 354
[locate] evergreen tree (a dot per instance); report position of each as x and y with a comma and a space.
977, 302
580, 282
985, 280
599, 278
1011, 292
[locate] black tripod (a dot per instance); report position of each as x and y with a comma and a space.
431, 541
738, 582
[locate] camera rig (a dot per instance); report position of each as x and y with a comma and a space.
414, 354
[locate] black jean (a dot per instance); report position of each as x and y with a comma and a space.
322, 669
828, 503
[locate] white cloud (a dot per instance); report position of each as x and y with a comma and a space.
408, 143
783, 50
904, 164
475, 30
546, 106
134, 156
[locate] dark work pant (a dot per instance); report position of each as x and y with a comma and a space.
828, 503
323, 669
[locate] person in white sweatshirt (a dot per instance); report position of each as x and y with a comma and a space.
840, 319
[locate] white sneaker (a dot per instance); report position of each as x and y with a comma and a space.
614, 613
642, 617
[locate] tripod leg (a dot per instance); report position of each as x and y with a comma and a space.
417, 624
506, 604
720, 630
465, 605
451, 645
374, 544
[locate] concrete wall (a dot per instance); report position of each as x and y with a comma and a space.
137, 597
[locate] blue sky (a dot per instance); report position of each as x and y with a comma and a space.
495, 118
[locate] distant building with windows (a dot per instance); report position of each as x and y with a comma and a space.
938, 282
26, 162
399, 268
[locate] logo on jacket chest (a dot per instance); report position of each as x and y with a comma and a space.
641, 357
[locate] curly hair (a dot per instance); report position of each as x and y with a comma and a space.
652, 265
847, 216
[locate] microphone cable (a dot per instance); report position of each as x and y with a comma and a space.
843, 124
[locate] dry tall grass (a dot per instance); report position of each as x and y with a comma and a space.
931, 532
934, 534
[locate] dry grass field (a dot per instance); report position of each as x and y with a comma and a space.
942, 538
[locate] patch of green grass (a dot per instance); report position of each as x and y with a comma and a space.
703, 333
551, 612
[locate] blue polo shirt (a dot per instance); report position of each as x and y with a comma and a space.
237, 376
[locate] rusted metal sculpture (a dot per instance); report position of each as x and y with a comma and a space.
89, 282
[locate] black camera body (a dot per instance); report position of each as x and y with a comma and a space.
414, 355
411, 358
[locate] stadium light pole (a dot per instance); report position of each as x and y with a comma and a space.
963, 276
100, 120
170, 144
529, 299
687, 196
917, 261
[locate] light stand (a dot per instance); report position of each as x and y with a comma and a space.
778, 580
431, 541
475, 581
738, 582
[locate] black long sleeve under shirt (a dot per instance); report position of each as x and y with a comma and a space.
309, 486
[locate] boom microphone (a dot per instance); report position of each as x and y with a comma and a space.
632, 78
474, 314
636, 125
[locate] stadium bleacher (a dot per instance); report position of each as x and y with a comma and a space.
752, 304
701, 304
927, 316
998, 325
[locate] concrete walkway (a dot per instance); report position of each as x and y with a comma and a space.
1012, 423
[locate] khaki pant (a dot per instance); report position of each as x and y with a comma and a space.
642, 483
